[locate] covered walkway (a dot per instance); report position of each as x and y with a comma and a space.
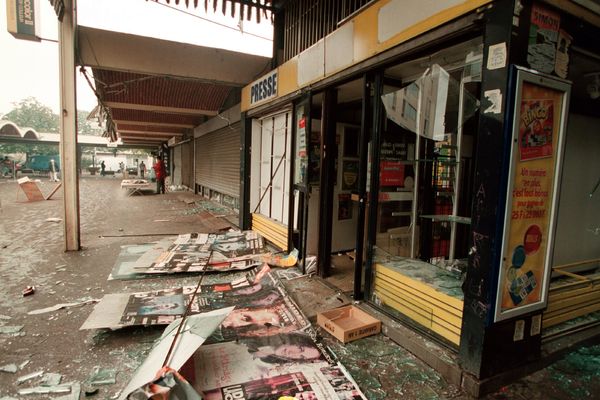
31, 254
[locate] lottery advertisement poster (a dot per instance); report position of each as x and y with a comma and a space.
538, 128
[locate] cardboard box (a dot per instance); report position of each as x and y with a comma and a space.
348, 323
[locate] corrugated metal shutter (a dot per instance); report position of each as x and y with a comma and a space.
177, 165
187, 164
218, 160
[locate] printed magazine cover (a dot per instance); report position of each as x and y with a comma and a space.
196, 252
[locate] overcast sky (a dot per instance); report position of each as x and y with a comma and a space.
31, 68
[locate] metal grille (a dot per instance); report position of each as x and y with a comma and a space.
307, 21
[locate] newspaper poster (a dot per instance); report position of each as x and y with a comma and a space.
294, 364
225, 363
543, 39
236, 245
164, 306
318, 381
262, 307
197, 252
160, 307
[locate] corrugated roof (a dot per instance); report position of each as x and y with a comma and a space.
130, 88
157, 106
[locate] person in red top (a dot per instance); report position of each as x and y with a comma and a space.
160, 171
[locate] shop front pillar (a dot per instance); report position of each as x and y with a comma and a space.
68, 126
328, 151
487, 347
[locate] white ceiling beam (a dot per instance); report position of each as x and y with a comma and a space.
144, 123
149, 133
163, 109
141, 139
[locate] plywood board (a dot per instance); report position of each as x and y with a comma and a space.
32, 191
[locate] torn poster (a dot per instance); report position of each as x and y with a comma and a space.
196, 329
282, 260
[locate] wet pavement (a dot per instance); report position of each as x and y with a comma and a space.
31, 254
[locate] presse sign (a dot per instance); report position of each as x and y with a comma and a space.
263, 89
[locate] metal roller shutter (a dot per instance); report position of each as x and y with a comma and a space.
218, 160
177, 165
187, 164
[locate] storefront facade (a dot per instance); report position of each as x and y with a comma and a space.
437, 149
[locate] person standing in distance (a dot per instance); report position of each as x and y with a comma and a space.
160, 171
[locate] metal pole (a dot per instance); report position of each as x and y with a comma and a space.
457, 169
68, 126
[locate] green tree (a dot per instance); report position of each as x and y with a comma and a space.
30, 113
85, 127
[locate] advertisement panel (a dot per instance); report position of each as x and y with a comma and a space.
22, 19
537, 144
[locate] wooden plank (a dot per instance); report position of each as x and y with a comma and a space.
435, 302
573, 306
54, 191
425, 313
454, 319
451, 336
578, 263
275, 225
557, 319
428, 290
562, 300
593, 279
268, 229
562, 295
32, 191
571, 274
272, 230
270, 236
422, 314
436, 312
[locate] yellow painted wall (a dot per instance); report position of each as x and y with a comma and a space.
366, 42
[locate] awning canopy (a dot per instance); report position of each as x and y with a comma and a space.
152, 90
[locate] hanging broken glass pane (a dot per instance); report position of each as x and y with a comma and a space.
433, 106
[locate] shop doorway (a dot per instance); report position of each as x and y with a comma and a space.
327, 136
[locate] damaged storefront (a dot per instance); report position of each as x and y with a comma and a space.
449, 156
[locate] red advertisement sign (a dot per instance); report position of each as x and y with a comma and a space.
391, 173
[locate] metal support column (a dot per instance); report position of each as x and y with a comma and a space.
328, 151
68, 125
365, 134
377, 122
245, 149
